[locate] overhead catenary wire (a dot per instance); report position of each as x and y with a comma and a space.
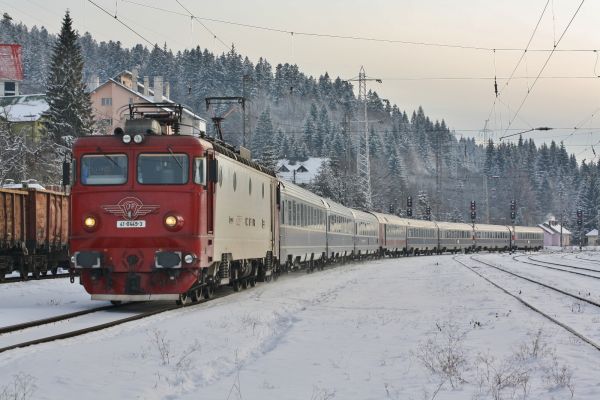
115, 17
352, 37
545, 63
192, 16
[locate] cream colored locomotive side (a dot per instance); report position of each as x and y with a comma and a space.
244, 199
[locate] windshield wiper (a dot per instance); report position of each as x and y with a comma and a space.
108, 157
175, 158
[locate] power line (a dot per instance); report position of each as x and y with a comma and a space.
191, 15
350, 37
545, 63
122, 23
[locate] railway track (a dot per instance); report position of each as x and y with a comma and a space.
75, 324
527, 304
595, 274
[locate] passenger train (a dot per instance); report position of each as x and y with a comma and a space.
162, 216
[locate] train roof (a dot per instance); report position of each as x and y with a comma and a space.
338, 208
365, 216
301, 193
454, 225
531, 229
389, 219
490, 228
419, 223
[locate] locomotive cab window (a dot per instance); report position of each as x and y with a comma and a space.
200, 171
104, 169
162, 169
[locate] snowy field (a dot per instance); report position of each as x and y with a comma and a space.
410, 328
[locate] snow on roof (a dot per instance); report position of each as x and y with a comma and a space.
593, 232
11, 66
556, 228
305, 171
23, 108
546, 229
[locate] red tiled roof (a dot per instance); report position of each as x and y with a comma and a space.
11, 67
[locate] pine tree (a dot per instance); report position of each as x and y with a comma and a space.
263, 135
70, 112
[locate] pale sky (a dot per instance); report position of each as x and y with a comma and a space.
565, 96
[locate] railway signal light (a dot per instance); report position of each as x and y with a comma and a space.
513, 205
409, 202
473, 215
428, 210
473, 206
579, 217
409, 212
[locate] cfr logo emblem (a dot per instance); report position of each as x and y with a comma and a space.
130, 208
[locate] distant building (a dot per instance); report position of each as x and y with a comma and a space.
300, 172
24, 114
552, 232
592, 238
11, 69
111, 99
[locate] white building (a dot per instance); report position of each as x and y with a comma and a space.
552, 232
300, 172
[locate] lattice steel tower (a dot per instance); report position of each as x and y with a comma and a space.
364, 164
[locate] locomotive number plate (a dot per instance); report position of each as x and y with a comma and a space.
131, 224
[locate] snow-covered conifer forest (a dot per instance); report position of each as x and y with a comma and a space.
294, 116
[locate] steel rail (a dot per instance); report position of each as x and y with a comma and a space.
531, 306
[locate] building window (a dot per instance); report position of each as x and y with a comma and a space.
10, 88
107, 101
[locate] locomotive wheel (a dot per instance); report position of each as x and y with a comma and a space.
252, 282
36, 274
2, 276
236, 286
183, 299
208, 291
196, 295
54, 270
245, 284
116, 302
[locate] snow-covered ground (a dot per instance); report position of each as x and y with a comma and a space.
410, 328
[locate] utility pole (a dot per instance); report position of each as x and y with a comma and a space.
438, 176
363, 162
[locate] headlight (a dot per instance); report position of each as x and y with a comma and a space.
89, 222
170, 221
138, 138
188, 259
126, 139
173, 222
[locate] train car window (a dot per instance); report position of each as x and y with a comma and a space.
200, 171
162, 169
104, 169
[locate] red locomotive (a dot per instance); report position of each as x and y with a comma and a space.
156, 215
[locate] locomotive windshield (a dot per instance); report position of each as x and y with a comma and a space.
162, 169
104, 169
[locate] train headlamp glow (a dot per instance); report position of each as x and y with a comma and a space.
170, 221
188, 259
138, 138
90, 222
126, 139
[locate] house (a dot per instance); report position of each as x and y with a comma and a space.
592, 238
24, 114
552, 231
11, 69
300, 172
110, 102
